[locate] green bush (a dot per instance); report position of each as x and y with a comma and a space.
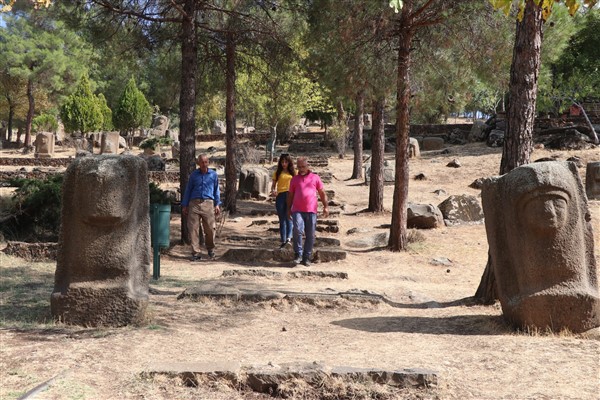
153, 141
45, 123
157, 195
33, 215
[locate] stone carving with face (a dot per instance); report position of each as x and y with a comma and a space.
541, 243
44, 145
104, 251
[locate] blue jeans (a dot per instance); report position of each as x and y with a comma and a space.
304, 223
285, 223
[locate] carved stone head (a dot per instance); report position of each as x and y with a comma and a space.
541, 245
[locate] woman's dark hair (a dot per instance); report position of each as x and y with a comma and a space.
291, 169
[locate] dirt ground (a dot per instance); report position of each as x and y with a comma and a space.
475, 355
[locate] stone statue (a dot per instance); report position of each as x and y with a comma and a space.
109, 143
44, 145
104, 252
592, 180
542, 249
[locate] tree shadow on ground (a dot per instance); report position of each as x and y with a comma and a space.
456, 325
26, 296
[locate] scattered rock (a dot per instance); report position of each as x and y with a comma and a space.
420, 177
454, 164
461, 209
441, 261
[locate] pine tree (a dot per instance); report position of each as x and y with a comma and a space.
82, 112
133, 111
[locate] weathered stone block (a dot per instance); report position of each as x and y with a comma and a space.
103, 264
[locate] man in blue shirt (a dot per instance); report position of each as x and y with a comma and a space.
200, 203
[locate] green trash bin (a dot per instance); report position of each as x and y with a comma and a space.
160, 219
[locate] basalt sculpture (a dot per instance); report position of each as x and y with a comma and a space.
542, 249
103, 261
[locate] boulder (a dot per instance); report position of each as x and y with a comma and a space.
433, 143
254, 183
461, 209
424, 216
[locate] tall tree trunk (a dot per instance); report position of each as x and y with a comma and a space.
398, 232
30, 111
11, 116
524, 72
377, 156
231, 172
187, 102
518, 140
359, 124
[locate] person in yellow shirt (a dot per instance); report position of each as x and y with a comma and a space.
281, 184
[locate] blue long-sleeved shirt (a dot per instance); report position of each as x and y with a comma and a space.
202, 186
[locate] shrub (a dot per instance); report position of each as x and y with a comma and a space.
34, 213
154, 141
157, 195
45, 123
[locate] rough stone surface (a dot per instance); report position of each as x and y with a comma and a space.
454, 164
389, 173
477, 133
432, 143
461, 209
413, 148
104, 252
254, 183
44, 145
592, 180
417, 377
248, 255
271, 377
378, 240
155, 163
424, 216
318, 274
327, 255
109, 143
32, 251
542, 247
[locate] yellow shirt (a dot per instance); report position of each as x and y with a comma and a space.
283, 183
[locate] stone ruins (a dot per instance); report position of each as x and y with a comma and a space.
109, 143
542, 248
44, 145
104, 252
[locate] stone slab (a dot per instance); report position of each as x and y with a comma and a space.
268, 378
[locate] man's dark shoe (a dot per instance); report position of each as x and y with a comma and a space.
297, 259
282, 245
195, 257
306, 262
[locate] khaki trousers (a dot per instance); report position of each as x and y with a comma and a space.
201, 211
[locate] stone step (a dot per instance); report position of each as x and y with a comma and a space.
250, 254
272, 378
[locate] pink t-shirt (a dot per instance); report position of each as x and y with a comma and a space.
304, 189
